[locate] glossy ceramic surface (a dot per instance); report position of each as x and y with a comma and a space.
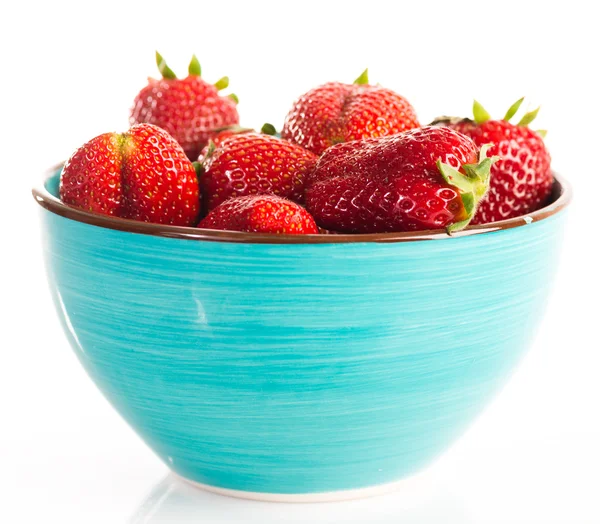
299, 368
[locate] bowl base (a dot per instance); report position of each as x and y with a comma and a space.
409, 486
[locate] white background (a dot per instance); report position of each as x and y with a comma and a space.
70, 72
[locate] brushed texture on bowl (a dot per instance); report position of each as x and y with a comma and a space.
299, 368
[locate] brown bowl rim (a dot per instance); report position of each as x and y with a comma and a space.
561, 197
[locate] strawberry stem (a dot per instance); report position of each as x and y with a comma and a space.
222, 83
164, 69
512, 110
480, 115
472, 185
194, 68
363, 79
234, 97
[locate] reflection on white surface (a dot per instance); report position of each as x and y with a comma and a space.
175, 501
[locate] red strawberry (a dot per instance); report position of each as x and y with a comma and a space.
521, 181
142, 174
225, 132
253, 163
261, 214
425, 178
336, 112
188, 108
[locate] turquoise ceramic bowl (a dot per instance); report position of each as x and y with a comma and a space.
298, 368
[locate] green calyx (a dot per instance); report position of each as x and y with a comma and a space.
268, 129
163, 68
480, 115
363, 79
472, 185
512, 110
222, 83
209, 150
194, 68
199, 169
528, 117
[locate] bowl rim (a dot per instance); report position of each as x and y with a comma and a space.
561, 197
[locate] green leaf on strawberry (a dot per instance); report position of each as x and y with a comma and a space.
363, 79
222, 83
512, 110
268, 129
472, 185
528, 117
194, 68
480, 115
164, 69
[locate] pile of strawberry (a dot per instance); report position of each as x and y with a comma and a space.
352, 158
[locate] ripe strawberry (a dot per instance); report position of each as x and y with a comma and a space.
521, 181
188, 108
336, 112
142, 174
253, 163
227, 131
425, 178
261, 214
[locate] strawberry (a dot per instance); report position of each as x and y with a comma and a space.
261, 214
142, 174
254, 163
521, 181
188, 108
336, 112
425, 178
225, 132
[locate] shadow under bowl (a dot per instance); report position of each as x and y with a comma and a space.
298, 367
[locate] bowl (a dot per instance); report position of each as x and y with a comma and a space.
314, 367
